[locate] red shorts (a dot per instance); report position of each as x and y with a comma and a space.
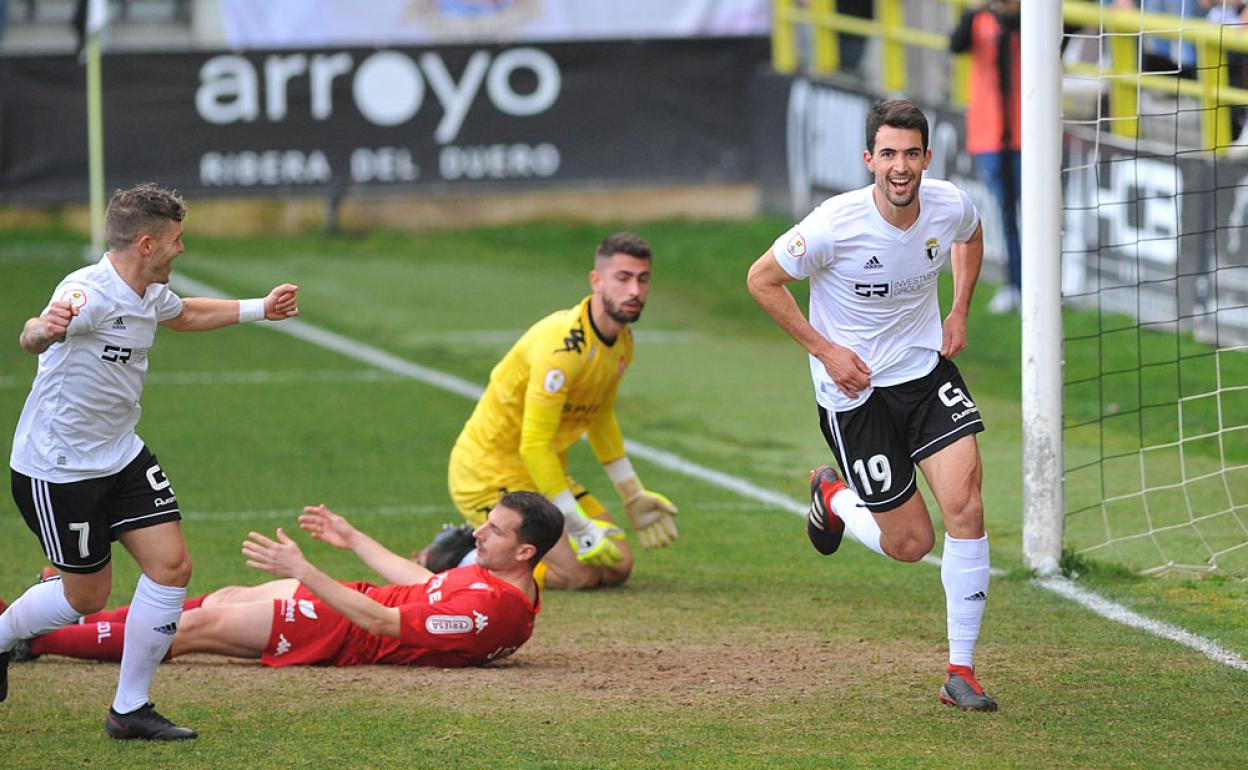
306, 631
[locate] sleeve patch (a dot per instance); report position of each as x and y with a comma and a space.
77, 298
796, 247
448, 624
554, 380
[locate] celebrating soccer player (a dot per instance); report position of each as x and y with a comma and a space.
556, 384
889, 395
81, 476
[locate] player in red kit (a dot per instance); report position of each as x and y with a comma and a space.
462, 617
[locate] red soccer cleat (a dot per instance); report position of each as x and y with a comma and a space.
824, 528
961, 690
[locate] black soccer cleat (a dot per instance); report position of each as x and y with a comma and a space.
962, 691
4, 676
448, 548
21, 653
824, 528
145, 724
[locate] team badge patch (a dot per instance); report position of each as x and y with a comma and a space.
932, 248
796, 247
554, 380
76, 298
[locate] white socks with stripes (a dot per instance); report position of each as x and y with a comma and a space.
964, 573
150, 626
42, 608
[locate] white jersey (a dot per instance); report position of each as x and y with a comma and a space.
79, 419
872, 286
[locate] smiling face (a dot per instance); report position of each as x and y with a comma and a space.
621, 282
897, 163
158, 251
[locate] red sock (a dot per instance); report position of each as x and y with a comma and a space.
99, 640
193, 604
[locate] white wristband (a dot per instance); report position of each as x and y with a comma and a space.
619, 470
250, 310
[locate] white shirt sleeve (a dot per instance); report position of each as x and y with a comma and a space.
168, 306
805, 248
87, 300
970, 218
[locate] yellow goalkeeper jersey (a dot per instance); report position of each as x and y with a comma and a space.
557, 383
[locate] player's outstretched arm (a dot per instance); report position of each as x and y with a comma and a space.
43, 331
282, 558
207, 313
334, 529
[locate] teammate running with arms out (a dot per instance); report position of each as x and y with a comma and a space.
81, 476
888, 394
556, 384
466, 616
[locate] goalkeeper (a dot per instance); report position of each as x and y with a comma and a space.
556, 384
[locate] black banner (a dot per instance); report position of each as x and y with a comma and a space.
454, 116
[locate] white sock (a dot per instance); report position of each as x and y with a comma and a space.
42, 608
964, 573
858, 520
153, 620
469, 558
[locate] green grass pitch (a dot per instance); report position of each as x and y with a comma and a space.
739, 647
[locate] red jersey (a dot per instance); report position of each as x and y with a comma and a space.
462, 617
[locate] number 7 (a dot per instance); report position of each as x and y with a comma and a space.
83, 528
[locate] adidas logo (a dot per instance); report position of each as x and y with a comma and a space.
168, 629
119, 322
873, 264
978, 596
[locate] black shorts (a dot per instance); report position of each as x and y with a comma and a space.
77, 522
879, 444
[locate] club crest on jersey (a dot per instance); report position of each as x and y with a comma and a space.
796, 247
76, 298
932, 249
554, 380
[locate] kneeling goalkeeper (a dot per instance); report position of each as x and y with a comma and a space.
556, 384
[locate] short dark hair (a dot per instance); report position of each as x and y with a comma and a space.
541, 521
899, 113
142, 209
623, 242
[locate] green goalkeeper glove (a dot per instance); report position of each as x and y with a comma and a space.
592, 541
650, 512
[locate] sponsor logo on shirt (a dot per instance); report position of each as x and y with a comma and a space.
873, 264
914, 284
574, 341
448, 624
554, 380
288, 610
480, 620
932, 249
796, 247
479, 587
283, 645
871, 289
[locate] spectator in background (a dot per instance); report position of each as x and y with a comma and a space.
1232, 12
853, 46
990, 33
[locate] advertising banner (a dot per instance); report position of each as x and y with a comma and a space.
451, 116
344, 23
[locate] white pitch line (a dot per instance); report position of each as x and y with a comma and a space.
366, 353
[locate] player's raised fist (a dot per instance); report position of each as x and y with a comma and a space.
281, 303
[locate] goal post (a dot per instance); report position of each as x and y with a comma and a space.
1043, 498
